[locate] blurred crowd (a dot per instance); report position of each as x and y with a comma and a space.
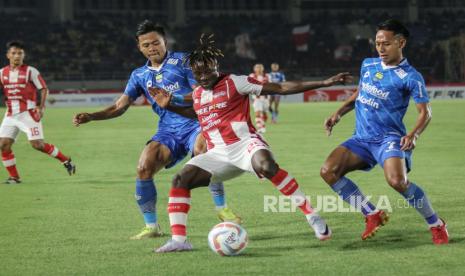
102, 46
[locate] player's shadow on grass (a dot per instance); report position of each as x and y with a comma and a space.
262, 253
454, 240
392, 240
271, 236
98, 184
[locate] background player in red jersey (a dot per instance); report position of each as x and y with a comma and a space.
221, 104
261, 104
20, 83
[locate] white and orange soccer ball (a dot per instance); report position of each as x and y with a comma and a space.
228, 239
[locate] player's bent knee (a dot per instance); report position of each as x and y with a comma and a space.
268, 168
398, 182
328, 173
144, 171
37, 145
5, 146
178, 183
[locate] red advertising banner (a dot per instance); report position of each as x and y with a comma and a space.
330, 94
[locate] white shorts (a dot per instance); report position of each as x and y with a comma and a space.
11, 125
261, 104
230, 161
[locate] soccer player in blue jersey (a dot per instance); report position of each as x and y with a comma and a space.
275, 76
176, 135
386, 85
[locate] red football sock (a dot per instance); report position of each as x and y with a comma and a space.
179, 203
54, 152
288, 186
9, 161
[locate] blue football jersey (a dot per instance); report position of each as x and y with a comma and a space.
384, 95
175, 77
276, 77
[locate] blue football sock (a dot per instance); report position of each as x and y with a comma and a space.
146, 196
351, 194
217, 192
418, 199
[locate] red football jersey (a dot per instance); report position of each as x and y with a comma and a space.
261, 78
20, 87
224, 112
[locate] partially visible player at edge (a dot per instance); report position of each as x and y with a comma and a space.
275, 76
20, 83
386, 85
261, 104
176, 135
221, 104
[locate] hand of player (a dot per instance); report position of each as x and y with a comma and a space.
331, 122
161, 96
40, 112
341, 78
408, 142
81, 118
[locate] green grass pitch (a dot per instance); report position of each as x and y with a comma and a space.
53, 224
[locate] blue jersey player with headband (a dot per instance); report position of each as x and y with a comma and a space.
275, 76
176, 137
387, 84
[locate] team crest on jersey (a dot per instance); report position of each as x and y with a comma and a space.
206, 97
149, 84
400, 73
367, 74
379, 75
172, 61
159, 78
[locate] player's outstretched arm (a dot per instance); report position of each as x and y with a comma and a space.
346, 107
165, 100
424, 117
295, 87
118, 109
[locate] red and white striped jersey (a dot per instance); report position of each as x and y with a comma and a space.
261, 78
224, 112
20, 87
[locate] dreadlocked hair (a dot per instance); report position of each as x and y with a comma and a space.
206, 52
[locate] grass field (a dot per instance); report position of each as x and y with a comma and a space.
53, 224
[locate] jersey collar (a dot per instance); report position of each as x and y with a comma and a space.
401, 63
157, 69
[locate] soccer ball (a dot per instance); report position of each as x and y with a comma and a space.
227, 239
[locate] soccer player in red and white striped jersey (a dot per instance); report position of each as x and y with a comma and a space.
221, 104
261, 103
20, 83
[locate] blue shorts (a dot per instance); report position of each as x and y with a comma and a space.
180, 143
376, 152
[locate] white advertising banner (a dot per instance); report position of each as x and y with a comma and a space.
76, 100
446, 92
